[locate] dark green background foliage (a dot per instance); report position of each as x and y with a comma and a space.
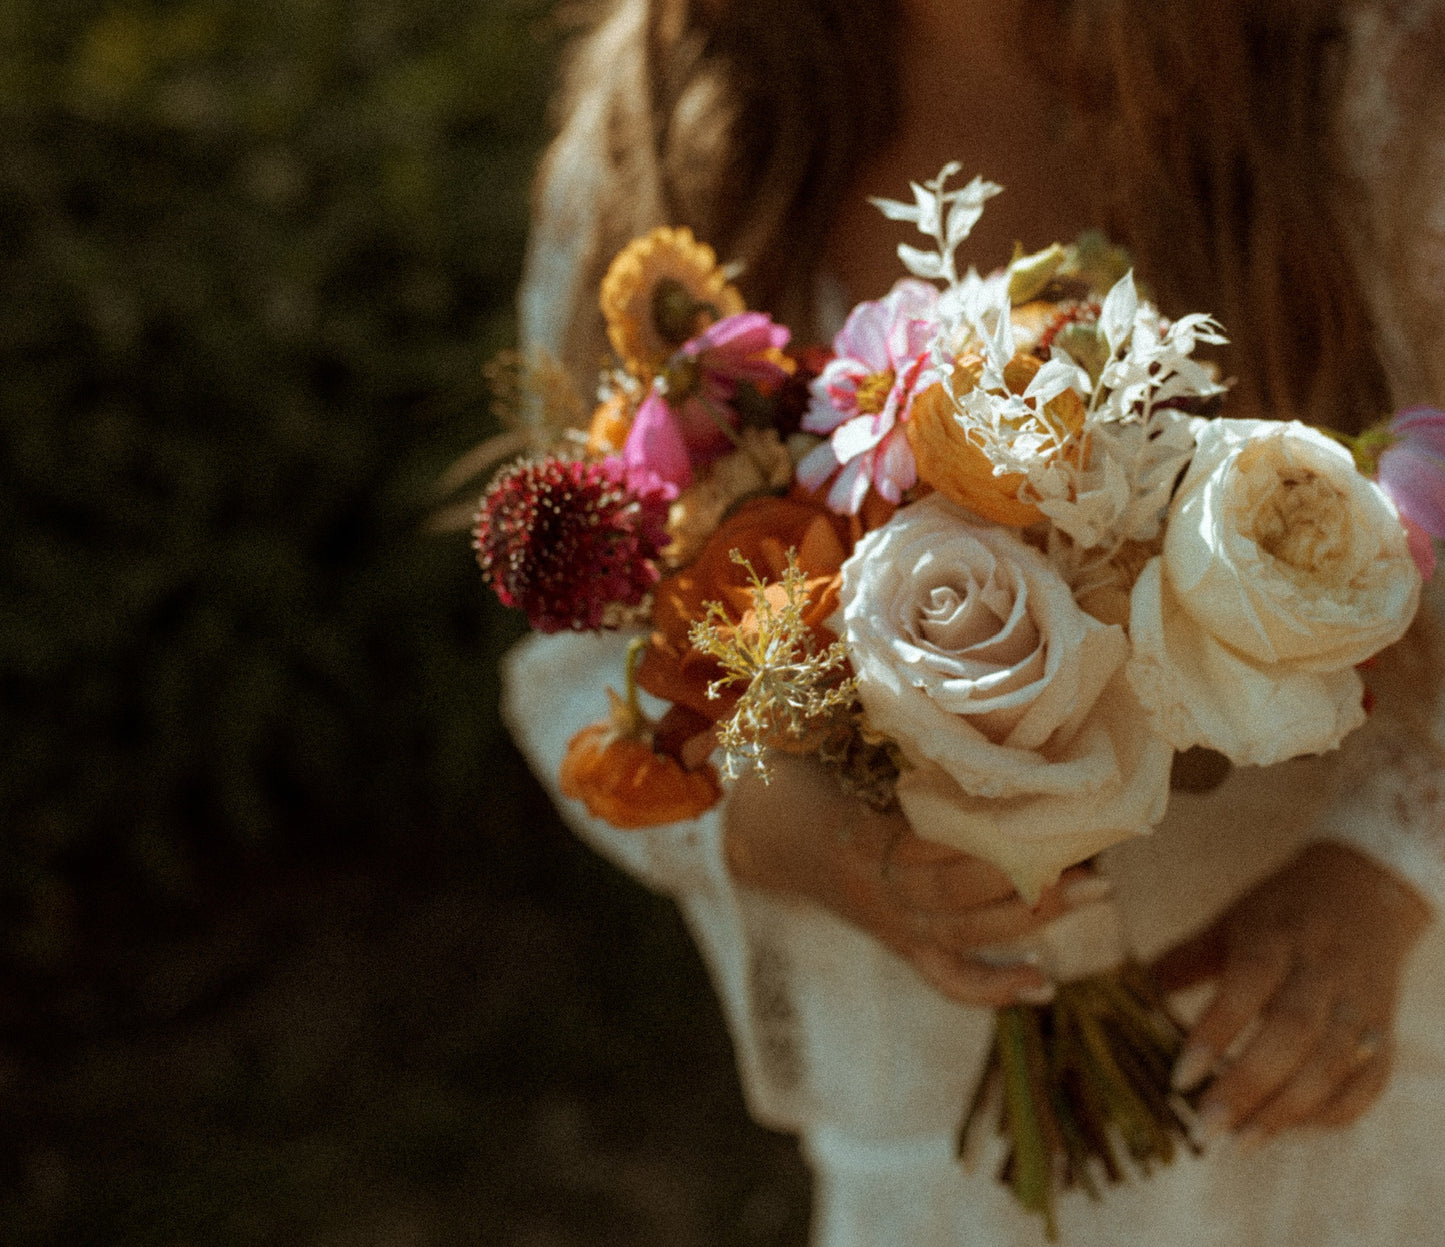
254, 254
292, 951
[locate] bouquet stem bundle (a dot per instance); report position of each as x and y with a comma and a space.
1079, 1083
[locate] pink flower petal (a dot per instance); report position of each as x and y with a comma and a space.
1421, 548
655, 444
913, 299
746, 333
894, 468
890, 335
851, 487
1415, 481
816, 466
864, 336
859, 435
822, 416
918, 335
1422, 424
703, 421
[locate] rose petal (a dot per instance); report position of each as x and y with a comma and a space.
1200, 691
1033, 838
1268, 609
922, 698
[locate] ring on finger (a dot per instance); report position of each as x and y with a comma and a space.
1367, 1047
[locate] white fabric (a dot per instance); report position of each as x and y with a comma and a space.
840, 1041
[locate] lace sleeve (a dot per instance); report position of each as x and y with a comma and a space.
1390, 791
552, 687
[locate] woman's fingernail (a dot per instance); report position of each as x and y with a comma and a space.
1088, 890
1041, 995
1213, 1121
1194, 1063
1000, 956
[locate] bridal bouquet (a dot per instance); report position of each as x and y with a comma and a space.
994, 558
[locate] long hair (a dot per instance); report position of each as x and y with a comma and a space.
1208, 121
1211, 122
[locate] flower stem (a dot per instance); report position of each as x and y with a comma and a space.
1079, 1078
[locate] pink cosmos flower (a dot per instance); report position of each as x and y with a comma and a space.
863, 395
688, 416
1411, 470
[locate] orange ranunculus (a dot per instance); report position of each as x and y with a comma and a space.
762, 530
951, 463
621, 780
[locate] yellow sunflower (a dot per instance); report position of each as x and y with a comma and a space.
663, 289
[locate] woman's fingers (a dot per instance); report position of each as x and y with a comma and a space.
924, 879
936, 906
1291, 1026
1309, 963
1249, 979
996, 923
1360, 1090
1194, 961
1340, 1060
972, 982
932, 879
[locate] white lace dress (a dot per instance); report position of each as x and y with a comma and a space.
839, 1041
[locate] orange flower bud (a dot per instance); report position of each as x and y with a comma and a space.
622, 781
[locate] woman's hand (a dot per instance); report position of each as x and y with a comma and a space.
933, 906
1307, 967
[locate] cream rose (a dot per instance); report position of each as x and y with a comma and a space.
1282, 568
1026, 746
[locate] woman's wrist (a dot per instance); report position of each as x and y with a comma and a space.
1394, 896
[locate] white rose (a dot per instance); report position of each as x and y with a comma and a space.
1026, 746
1282, 568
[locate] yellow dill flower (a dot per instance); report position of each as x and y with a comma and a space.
796, 696
661, 290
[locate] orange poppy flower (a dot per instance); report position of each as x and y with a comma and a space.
622, 781
614, 770
763, 530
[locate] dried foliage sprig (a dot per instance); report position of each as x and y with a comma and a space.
532, 390
797, 694
538, 408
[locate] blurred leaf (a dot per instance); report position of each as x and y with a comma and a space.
251, 258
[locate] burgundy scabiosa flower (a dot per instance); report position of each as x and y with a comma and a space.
563, 539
